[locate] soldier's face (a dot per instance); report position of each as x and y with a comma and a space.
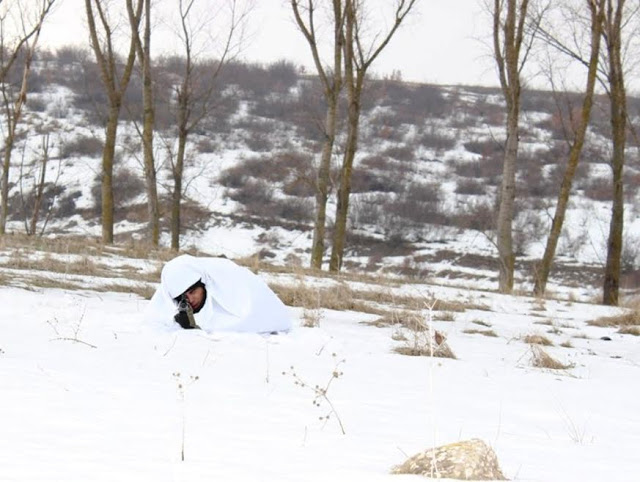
195, 298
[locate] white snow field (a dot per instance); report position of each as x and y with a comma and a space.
91, 392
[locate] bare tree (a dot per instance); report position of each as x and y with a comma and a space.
34, 201
616, 17
143, 47
513, 33
359, 55
194, 93
331, 79
101, 31
25, 41
596, 15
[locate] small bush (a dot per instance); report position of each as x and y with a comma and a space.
255, 194
488, 148
488, 168
259, 142
400, 153
541, 359
538, 340
82, 146
126, 187
475, 331
377, 161
625, 319
436, 141
599, 189
470, 187
365, 181
630, 330
206, 146
419, 341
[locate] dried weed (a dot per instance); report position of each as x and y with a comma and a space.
541, 359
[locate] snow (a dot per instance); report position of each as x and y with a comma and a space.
92, 392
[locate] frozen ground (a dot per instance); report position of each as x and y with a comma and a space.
92, 393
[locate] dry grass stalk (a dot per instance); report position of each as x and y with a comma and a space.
420, 340
546, 322
538, 340
630, 330
311, 317
472, 331
481, 323
625, 319
395, 317
444, 316
83, 245
541, 359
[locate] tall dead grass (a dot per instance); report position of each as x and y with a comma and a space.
541, 359
624, 319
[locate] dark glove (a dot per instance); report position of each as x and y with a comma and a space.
184, 316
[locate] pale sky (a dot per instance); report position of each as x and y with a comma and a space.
440, 43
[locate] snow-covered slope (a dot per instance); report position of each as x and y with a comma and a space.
91, 392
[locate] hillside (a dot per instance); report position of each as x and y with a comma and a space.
424, 183
93, 391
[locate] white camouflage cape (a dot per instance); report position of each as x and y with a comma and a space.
237, 299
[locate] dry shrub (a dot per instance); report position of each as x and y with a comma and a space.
444, 316
311, 317
144, 291
625, 319
566, 344
541, 359
471, 187
82, 146
422, 342
474, 331
538, 340
339, 297
481, 323
630, 330
546, 322
396, 317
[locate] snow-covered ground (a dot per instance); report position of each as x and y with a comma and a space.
90, 392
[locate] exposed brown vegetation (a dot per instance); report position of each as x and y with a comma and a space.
537, 340
630, 330
541, 359
625, 319
473, 331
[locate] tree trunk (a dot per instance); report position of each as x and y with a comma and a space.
13, 109
147, 134
614, 244
342, 207
322, 184
506, 256
4, 188
332, 85
544, 266
618, 102
108, 156
39, 188
510, 26
114, 89
177, 192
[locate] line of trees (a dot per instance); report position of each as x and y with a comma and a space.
592, 33
574, 28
